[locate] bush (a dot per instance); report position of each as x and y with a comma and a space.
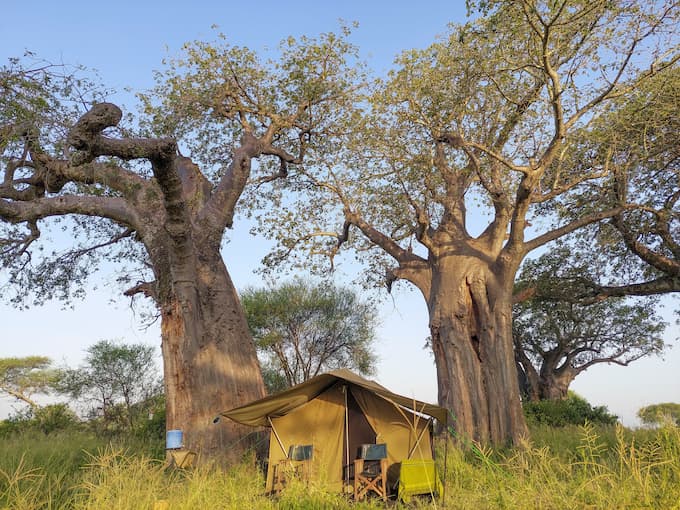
54, 417
573, 410
47, 419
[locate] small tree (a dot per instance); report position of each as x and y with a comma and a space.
557, 337
113, 379
302, 329
21, 378
657, 414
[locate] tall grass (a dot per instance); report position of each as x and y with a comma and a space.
573, 468
615, 470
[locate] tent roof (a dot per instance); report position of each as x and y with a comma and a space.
258, 413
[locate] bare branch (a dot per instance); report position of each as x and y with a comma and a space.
87, 138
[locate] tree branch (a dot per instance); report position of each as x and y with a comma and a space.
86, 137
569, 228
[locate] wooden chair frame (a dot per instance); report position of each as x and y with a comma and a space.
365, 483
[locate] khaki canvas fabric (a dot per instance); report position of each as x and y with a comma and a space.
256, 413
398, 428
319, 422
314, 413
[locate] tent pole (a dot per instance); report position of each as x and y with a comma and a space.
420, 436
278, 439
446, 463
345, 389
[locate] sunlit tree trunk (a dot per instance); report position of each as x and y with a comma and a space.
470, 324
210, 363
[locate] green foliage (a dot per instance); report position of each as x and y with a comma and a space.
658, 414
46, 419
55, 417
22, 377
114, 382
574, 410
214, 92
152, 427
303, 329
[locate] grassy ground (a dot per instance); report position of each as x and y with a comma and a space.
568, 468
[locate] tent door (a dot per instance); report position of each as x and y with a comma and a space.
360, 431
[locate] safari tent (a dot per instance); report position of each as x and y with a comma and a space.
333, 415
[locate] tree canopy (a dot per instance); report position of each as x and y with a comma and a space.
21, 378
658, 414
303, 329
635, 252
557, 338
114, 376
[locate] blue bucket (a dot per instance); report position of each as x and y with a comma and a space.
173, 439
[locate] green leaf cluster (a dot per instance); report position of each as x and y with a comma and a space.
302, 329
658, 414
574, 410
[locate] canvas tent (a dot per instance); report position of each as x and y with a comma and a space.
336, 413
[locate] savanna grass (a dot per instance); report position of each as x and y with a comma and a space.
629, 473
575, 468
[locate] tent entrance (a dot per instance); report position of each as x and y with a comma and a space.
359, 430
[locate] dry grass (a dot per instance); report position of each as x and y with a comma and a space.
567, 469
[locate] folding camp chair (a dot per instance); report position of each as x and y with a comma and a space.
370, 471
298, 465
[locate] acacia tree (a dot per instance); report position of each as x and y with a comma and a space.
558, 338
136, 199
113, 374
302, 329
21, 378
488, 116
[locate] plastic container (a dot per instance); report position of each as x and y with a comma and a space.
173, 439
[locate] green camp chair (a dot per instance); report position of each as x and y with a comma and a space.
418, 477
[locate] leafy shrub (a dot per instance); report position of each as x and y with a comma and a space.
658, 414
54, 417
573, 410
47, 419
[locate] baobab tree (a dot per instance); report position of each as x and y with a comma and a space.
137, 199
558, 336
490, 116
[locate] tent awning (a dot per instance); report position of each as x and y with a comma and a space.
259, 412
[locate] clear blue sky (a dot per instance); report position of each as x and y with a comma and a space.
125, 41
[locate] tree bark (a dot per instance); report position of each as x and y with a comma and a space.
553, 383
471, 328
210, 363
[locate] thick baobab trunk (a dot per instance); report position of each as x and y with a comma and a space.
210, 362
471, 327
554, 385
